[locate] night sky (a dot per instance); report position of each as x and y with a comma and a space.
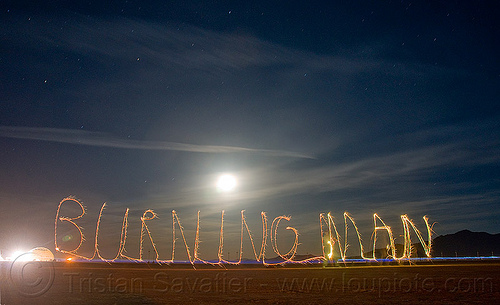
367, 106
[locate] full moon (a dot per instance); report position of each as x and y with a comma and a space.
226, 183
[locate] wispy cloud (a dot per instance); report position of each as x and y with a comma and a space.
356, 174
190, 47
390, 176
199, 49
82, 137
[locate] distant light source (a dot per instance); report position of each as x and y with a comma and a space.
16, 254
36, 254
226, 183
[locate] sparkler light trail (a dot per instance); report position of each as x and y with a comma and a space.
144, 228
244, 226
288, 257
330, 236
408, 244
332, 240
175, 219
333, 237
71, 221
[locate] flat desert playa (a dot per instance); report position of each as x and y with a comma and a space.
132, 283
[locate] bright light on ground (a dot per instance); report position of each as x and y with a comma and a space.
17, 253
226, 183
20, 255
36, 254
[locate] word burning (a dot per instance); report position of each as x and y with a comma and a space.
330, 238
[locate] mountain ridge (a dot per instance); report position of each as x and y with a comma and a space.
466, 243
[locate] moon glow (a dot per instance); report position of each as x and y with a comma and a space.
226, 183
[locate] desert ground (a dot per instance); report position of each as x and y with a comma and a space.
131, 283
